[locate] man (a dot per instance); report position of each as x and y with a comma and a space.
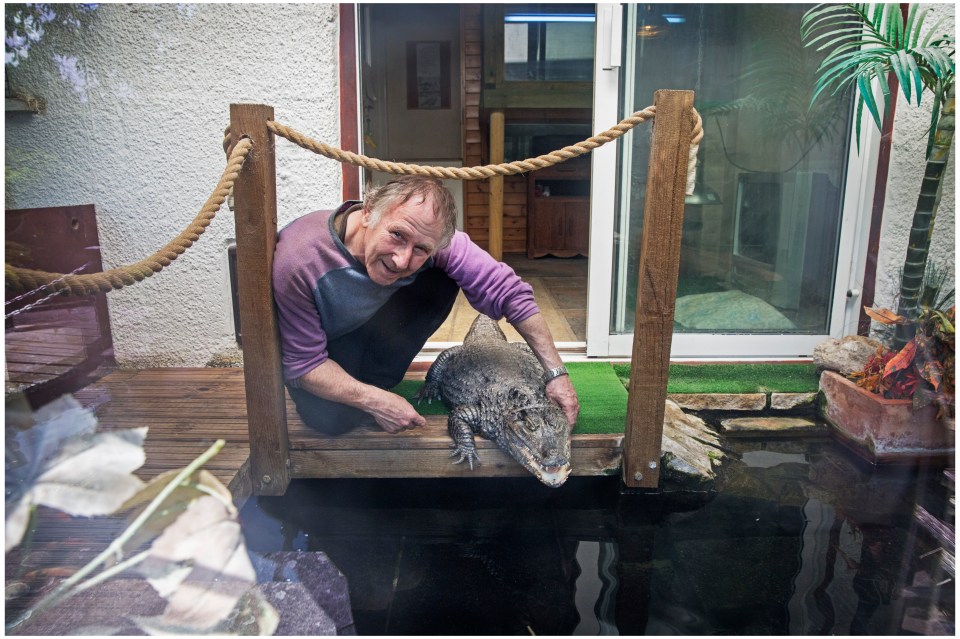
359, 291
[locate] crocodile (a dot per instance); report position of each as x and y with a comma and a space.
496, 389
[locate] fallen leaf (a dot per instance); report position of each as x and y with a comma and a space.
884, 316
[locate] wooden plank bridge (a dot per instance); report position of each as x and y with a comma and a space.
188, 409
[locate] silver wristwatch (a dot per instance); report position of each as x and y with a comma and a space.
554, 373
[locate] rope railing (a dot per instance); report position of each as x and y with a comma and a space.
478, 172
23, 279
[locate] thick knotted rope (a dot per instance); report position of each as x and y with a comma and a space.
477, 172
22, 279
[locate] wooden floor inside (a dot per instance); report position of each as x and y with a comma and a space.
187, 410
560, 288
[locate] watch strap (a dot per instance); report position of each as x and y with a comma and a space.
554, 373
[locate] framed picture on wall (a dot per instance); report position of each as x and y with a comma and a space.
428, 75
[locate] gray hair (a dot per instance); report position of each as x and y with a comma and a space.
381, 199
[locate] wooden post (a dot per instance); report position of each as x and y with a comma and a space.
255, 204
349, 136
495, 243
657, 288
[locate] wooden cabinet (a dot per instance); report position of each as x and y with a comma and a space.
558, 210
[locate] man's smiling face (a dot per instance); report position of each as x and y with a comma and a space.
401, 241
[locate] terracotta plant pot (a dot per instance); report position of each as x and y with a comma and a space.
882, 430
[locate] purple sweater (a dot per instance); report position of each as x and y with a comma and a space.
322, 292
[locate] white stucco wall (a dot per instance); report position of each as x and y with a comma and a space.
907, 166
137, 131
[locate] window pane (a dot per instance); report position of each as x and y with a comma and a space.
760, 233
548, 42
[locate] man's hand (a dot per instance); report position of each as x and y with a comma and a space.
391, 412
560, 390
395, 414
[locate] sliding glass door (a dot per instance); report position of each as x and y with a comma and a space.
768, 244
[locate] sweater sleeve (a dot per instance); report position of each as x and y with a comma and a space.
491, 287
303, 340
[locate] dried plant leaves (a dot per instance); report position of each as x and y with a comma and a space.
884, 316
198, 484
61, 461
199, 564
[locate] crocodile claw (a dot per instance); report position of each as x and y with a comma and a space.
429, 391
465, 455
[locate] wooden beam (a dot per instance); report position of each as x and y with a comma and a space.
255, 201
657, 287
495, 242
349, 136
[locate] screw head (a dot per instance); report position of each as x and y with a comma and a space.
651, 465
638, 476
267, 479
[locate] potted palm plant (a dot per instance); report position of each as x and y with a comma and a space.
864, 44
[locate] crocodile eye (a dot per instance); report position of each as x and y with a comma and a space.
532, 426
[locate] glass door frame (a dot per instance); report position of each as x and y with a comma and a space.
612, 101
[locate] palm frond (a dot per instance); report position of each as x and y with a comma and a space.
866, 94
933, 32
863, 43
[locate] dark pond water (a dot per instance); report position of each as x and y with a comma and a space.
799, 538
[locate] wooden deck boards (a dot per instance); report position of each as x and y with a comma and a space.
188, 409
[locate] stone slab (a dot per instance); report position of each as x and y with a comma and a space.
771, 426
720, 401
788, 401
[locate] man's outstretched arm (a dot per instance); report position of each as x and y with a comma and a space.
535, 331
392, 412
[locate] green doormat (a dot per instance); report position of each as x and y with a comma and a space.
603, 398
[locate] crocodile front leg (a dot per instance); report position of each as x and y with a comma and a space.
461, 428
431, 386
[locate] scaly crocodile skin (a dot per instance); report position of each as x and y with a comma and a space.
495, 389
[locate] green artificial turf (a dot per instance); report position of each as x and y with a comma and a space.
601, 387
603, 398
736, 378
409, 387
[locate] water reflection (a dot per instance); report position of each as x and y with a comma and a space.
799, 539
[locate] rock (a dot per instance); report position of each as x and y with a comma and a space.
720, 401
300, 616
690, 449
319, 576
788, 401
846, 355
770, 426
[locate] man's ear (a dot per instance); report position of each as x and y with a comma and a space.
365, 217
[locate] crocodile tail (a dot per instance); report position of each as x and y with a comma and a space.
484, 329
